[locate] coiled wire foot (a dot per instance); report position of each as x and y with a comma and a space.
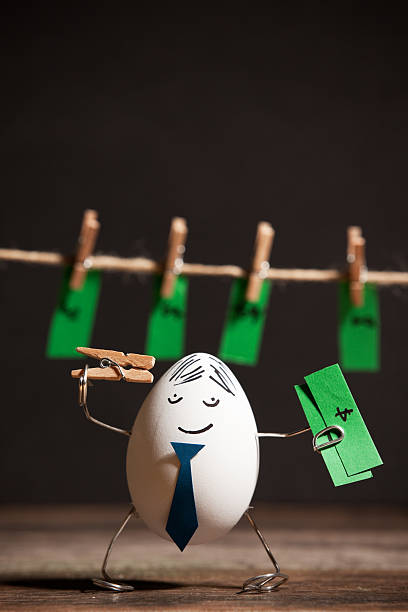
107, 582
119, 587
264, 583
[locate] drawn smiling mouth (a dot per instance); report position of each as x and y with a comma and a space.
196, 431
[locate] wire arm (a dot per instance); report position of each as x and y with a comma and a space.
83, 392
284, 435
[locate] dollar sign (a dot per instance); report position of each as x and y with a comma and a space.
343, 413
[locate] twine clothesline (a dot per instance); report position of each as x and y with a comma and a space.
144, 265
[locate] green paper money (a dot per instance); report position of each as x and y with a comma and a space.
167, 322
330, 455
73, 319
359, 330
337, 407
242, 334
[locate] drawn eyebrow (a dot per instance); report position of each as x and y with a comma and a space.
183, 365
222, 382
182, 382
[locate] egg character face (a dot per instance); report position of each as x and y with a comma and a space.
197, 401
200, 395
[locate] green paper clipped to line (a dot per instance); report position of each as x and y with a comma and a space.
73, 319
326, 400
359, 330
242, 334
167, 322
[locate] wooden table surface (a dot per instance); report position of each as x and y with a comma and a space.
338, 558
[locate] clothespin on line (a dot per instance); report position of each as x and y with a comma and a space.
260, 263
86, 244
138, 366
174, 261
357, 264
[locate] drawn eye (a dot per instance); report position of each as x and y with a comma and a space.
211, 405
176, 399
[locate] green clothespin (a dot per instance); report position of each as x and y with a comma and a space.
167, 322
359, 315
74, 316
242, 334
327, 401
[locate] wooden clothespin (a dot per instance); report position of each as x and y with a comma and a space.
137, 366
86, 244
357, 264
260, 263
140, 376
126, 360
174, 261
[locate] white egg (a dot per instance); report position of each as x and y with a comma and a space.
199, 401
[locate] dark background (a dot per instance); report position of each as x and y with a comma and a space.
296, 116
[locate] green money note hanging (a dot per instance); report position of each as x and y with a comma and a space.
242, 334
167, 322
74, 316
359, 330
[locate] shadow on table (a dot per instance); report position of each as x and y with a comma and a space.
86, 586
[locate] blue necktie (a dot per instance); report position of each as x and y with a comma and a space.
182, 521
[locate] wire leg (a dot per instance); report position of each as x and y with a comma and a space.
264, 582
107, 582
